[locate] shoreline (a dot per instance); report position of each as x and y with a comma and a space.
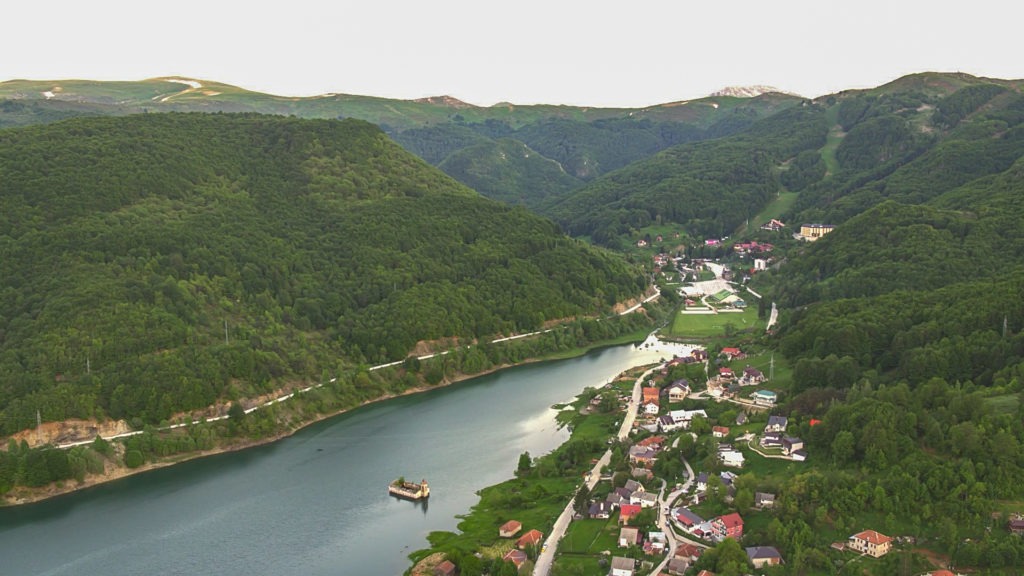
20, 496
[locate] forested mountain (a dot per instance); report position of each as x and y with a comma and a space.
585, 142
154, 263
709, 187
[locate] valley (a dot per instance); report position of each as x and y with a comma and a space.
168, 247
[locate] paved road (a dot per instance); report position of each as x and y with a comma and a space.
665, 522
547, 555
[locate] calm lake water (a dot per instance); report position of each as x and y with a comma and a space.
317, 502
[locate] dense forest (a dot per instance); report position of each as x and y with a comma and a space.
709, 187
152, 263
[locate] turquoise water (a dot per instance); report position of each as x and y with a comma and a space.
317, 502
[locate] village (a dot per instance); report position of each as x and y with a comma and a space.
698, 469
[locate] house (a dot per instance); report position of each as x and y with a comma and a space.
445, 568
741, 418
651, 408
699, 354
634, 486
1015, 526
628, 536
725, 373
688, 519
622, 566
798, 455
601, 510
641, 243
688, 551
615, 500
646, 500
641, 455
764, 500
678, 566
720, 431
705, 573
776, 424
650, 394
730, 456
771, 440
760, 264
678, 390
728, 526
773, 225
641, 473
655, 543
517, 557
509, 529
531, 538
761, 556
812, 232
871, 543
668, 424
732, 353
751, 376
627, 511
702, 482
791, 444
764, 398
652, 442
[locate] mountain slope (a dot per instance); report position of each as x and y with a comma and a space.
152, 264
710, 187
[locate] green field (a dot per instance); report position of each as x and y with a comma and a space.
713, 325
776, 208
1005, 404
835, 136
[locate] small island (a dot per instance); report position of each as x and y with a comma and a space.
409, 490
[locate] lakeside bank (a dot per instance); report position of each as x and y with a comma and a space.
116, 469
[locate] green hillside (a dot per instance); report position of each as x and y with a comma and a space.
709, 187
509, 171
152, 264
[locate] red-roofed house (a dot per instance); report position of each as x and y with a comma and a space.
871, 543
728, 526
814, 422
509, 529
725, 373
651, 394
652, 441
531, 538
627, 511
445, 568
720, 431
732, 353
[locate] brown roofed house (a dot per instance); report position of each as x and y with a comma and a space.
531, 538
517, 557
445, 568
871, 543
510, 529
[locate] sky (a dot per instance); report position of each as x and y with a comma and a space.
583, 53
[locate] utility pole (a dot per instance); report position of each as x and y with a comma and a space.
226, 332
771, 369
39, 428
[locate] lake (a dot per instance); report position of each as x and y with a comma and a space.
316, 502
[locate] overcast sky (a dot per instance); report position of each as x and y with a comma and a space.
592, 52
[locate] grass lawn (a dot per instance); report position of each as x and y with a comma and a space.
1004, 404
782, 373
777, 207
835, 136
713, 325
580, 565
583, 534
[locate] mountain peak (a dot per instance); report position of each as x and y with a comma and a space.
746, 91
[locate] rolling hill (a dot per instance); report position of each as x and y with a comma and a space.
155, 263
